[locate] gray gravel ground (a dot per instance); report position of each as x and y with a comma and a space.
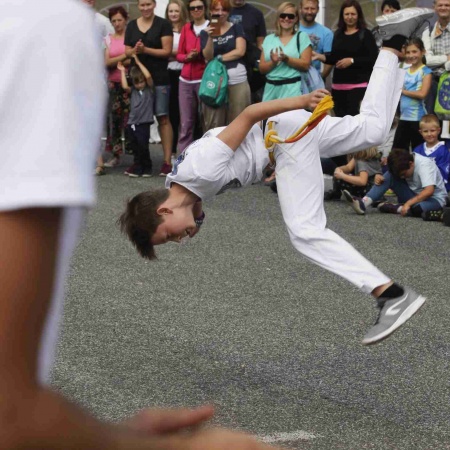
237, 318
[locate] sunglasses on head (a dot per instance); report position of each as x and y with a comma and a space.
287, 16
196, 8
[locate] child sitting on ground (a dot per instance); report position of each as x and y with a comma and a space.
140, 118
357, 176
434, 149
415, 179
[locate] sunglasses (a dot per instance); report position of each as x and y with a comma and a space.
196, 8
287, 16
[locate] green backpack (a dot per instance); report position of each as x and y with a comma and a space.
214, 86
442, 105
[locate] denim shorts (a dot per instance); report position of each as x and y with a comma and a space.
162, 98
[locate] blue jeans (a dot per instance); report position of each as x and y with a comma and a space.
403, 192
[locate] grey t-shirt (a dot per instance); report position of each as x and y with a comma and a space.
426, 173
141, 110
371, 166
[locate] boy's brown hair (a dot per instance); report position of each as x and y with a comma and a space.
429, 118
399, 160
136, 75
140, 220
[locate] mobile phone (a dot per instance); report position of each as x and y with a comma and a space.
215, 26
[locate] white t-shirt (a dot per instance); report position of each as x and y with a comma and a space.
426, 173
208, 167
51, 117
173, 63
103, 25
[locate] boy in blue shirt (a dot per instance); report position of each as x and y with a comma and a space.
430, 130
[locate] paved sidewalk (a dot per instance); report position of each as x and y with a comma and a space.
237, 318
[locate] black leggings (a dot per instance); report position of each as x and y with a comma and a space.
174, 109
138, 136
407, 134
346, 103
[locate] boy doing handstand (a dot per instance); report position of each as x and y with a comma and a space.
236, 154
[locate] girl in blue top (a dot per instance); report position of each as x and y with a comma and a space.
415, 88
285, 53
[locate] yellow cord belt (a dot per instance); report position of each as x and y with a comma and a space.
320, 111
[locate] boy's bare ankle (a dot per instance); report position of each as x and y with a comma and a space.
380, 289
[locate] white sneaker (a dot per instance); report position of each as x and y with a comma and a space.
408, 22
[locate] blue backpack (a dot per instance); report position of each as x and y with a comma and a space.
214, 86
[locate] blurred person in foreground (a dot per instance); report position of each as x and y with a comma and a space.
40, 217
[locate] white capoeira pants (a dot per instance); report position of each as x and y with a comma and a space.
300, 179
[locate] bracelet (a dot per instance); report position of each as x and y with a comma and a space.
199, 220
352, 60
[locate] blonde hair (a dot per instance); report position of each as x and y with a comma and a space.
365, 155
429, 118
281, 8
183, 11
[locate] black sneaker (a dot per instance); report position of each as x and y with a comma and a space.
147, 172
135, 171
332, 195
389, 208
394, 312
408, 22
433, 216
356, 203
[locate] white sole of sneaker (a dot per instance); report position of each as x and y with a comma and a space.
353, 203
407, 314
404, 15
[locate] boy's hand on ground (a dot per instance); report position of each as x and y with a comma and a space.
405, 209
314, 97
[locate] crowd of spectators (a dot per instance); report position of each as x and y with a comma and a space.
260, 67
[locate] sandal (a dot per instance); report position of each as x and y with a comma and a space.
100, 170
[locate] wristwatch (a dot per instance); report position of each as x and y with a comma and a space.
219, 57
352, 60
199, 220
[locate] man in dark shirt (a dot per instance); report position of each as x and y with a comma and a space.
254, 25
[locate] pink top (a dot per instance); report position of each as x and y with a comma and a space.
116, 47
348, 87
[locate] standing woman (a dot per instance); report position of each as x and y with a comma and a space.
190, 54
229, 46
176, 14
151, 38
119, 102
285, 54
353, 54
